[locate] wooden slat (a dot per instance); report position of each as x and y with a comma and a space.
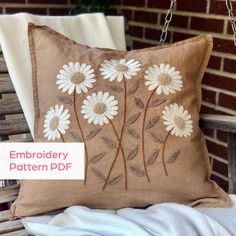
4, 215
9, 194
22, 232
232, 162
10, 226
10, 106
219, 122
23, 138
3, 67
11, 127
6, 86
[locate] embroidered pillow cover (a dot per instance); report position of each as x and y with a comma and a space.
137, 113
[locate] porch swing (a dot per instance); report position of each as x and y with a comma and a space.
10, 189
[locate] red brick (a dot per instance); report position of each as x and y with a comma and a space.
230, 65
127, 14
216, 149
49, 1
73, 1
136, 31
158, 4
208, 132
221, 135
181, 36
210, 25
39, 11
224, 45
219, 7
221, 182
220, 167
13, 1
178, 21
117, 2
220, 82
59, 11
155, 34
147, 17
139, 45
209, 96
136, 3
192, 6
227, 101
214, 62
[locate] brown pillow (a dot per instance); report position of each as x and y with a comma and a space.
137, 113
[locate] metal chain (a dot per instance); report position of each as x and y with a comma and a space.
168, 19
229, 6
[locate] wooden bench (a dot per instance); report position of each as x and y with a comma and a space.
14, 127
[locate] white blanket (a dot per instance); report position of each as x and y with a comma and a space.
167, 219
95, 30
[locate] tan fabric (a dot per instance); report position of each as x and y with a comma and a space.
134, 160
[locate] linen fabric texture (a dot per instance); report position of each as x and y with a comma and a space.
137, 113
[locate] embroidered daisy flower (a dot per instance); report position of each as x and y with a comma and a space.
177, 120
56, 122
119, 69
99, 107
164, 78
75, 76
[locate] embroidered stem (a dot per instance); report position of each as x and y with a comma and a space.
163, 154
143, 139
122, 151
82, 137
120, 139
62, 138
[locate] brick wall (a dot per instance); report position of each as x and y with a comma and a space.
42, 7
145, 19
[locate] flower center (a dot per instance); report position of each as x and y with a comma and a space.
121, 68
164, 79
179, 121
77, 78
99, 108
54, 123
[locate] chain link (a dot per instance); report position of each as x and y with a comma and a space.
229, 6
168, 19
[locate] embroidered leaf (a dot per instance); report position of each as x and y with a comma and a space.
152, 122
152, 158
136, 170
156, 102
138, 102
76, 136
92, 133
133, 88
64, 99
156, 137
173, 157
133, 118
133, 133
96, 158
115, 180
133, 153
115, 88
97, 173
109, 142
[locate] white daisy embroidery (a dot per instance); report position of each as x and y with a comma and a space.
177, 120
164, 78
56, 122
119, 69
75, 77
99, 108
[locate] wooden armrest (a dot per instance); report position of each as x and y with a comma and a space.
219, 122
